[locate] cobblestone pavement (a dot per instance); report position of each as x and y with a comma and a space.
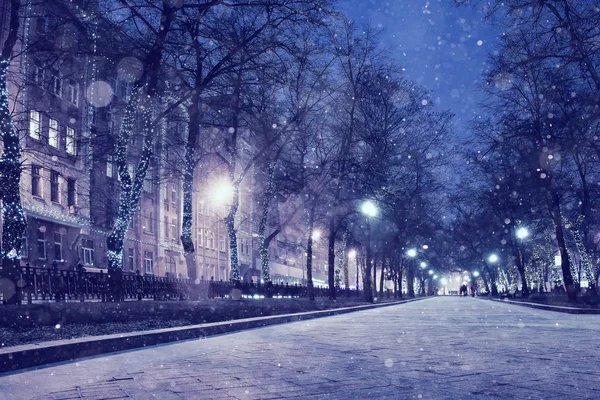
439, 348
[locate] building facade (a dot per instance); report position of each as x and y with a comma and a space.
67, 101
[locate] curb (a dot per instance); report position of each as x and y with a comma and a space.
562, 309
34, 355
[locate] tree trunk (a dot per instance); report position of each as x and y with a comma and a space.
263, 247
187, 236
331, 259
410, 280
309, 251
382, 278
14, 223
569, 284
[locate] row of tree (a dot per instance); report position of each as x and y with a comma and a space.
533, 161
287, 89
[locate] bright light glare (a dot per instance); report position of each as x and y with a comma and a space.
223, 192
352, 254
423, 264
425, 247
430, 272
493, 258
522, 233
435, 277
411, 253
369, 209
316, 234
476, 274
444, 281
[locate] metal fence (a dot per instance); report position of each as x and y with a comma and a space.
46, 284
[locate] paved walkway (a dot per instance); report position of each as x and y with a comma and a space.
440, 348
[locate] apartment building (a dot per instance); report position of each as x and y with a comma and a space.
68, 103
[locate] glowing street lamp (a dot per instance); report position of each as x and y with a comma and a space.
412, 253
476, 274
423, 264
522, 233
493, 258
352, 254
223, 192
316, 234
369, 209
430, 272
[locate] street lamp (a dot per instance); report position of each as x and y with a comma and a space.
476, 274
423, 264
369, 210
493, 258
522, 233
316, 234
412, 253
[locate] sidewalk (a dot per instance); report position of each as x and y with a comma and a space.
438, 348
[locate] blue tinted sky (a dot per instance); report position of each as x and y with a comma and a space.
442, 47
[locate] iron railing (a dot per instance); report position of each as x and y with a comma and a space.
47, 284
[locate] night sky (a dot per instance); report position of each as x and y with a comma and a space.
442, 47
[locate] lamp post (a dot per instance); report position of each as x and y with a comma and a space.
411, 254
352, 255
522, 233
369, 210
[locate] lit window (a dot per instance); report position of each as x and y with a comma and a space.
87, 251
130, 259
34, 124
73, 93
167, 227
109, 167
201, 237
174, 229
41, 244
222, 243
70, 144
53, 133
58, 246
147, 222
171, 265
148, 262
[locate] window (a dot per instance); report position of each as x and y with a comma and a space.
171, 265
41, 243
123, 90
167, 227
34, 124
148, 183
148, 262
130, 259
38, 75
222, 243
41, 23
24, 252
36, 187
70, 144
53, 133
71, 200
200, 237
173, 193
147, 222
56, 84
174, 229
87, 251
211, 240
58, 246
73, 93
54, 187
109, 167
